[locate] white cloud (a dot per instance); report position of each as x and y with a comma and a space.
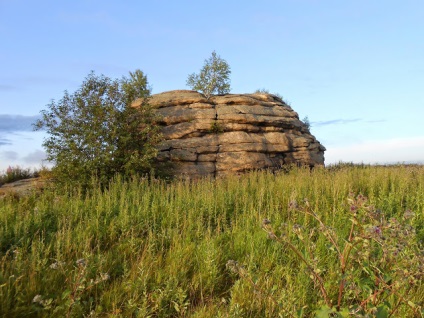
396, 150
9, 155
22, 149
35, 157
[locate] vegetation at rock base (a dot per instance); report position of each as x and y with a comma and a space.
95, 132
146, 248
16, 173
306, 122
214, 77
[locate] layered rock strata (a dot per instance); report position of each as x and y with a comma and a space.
231, 133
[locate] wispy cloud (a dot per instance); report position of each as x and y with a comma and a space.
344, 121
339, 121
5, 142
14, 123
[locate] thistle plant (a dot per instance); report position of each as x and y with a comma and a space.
379, 260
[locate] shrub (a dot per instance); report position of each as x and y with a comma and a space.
306, 122
95, 132
261, 91
16, 173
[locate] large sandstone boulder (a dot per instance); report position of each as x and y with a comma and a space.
231, 133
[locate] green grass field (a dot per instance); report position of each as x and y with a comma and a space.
148, 248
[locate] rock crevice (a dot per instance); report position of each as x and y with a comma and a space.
231, 133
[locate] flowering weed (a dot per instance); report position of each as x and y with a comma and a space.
379, 260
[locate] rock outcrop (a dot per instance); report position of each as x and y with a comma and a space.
231, 133
23, 187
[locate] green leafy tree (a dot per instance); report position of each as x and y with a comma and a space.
214, 77
95, 132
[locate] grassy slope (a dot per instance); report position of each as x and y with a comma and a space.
165, 246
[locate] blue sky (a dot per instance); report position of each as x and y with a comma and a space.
355, 68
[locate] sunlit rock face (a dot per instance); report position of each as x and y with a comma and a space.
231, 134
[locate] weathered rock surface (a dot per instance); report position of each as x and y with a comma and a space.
22, 187
231, 133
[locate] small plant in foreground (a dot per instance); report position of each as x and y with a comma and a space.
79, 284
379, 260
238, 269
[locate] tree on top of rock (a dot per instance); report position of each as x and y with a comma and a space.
214, 77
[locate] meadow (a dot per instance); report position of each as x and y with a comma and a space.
345, 241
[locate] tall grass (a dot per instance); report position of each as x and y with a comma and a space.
147, 248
